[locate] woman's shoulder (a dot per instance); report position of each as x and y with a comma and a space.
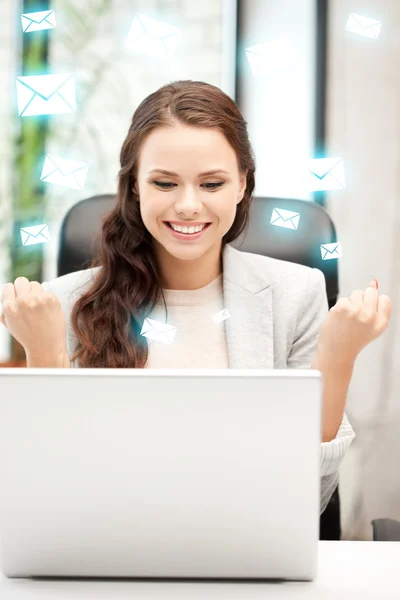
296, 289
68, 288
278, 271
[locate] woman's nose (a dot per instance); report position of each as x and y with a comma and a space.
189, 202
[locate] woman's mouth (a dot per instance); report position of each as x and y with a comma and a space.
188, 232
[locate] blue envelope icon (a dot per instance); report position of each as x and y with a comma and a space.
330, 251
62, 171
364, 26
157, 331
152, 37
38, 21
285, 218
46, 94
327, 174
221, 316
36, 234
265, 57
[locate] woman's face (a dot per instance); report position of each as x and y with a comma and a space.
186, 196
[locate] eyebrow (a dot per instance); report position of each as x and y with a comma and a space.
200, 174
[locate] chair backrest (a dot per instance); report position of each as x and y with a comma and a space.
301, 245
81, 229
80, 236
80, 233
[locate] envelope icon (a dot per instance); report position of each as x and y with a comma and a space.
364, 26
36, 234
221, 316
46, 94
158, 331
37, 21
63, 171
285, 218
329, 251
152, 37
327, 174
265, 57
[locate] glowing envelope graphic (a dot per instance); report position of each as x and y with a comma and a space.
62, 171
221, 316
288, 219
268, 56
158, 331
330, 251
327, 174
365, 26
152, 37
38, 21
35, 234
46, 94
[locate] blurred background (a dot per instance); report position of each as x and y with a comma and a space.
330, 87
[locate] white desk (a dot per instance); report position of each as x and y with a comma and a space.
354, 570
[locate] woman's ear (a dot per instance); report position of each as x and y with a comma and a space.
243, 185
135, 190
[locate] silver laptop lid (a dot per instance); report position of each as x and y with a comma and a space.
159, 473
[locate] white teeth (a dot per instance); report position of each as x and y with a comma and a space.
187, 230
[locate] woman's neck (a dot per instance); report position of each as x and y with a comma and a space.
193, 274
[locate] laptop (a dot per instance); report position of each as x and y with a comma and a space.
155, 473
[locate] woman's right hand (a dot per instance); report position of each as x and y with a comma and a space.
34, 318
352, 324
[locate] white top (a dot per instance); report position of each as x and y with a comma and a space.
199, 342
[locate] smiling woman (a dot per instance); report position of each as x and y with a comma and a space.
186, 162
166, 269
197, 195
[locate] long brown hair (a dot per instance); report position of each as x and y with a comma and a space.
107, 319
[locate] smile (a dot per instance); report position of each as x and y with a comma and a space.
187, 232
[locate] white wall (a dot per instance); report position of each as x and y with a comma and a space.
280, 106
364, 128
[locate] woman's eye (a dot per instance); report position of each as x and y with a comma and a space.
164, 184
214, 185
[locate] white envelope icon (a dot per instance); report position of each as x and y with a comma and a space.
38, 21
329, 251
275, 54
327, 174
158, 331
63, 171
46, 94
285, 218
152, 37
36, 234
222, 315
364, 26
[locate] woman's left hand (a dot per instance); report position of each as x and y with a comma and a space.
352, 324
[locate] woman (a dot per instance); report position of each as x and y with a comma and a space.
187, 165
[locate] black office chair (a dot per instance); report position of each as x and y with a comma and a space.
385, 530
80, 234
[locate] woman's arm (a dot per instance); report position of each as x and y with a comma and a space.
34, 317
350, 325
48, 360
306, 353
312, 313
336, 382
